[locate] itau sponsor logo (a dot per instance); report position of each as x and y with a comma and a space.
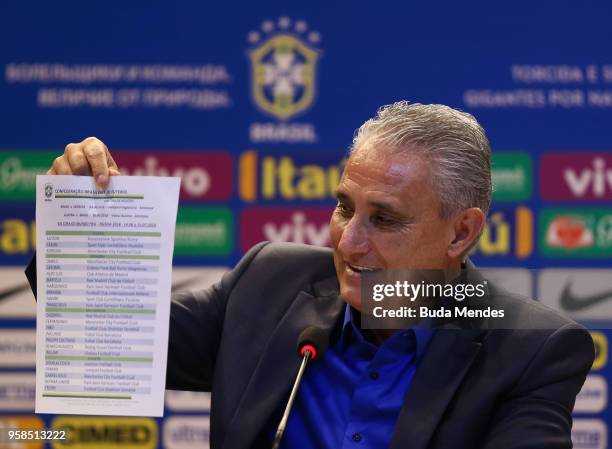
307, 176
508, 233
601, 350
583, 294
298, 225
283, 57
589, 434
205, 175
17, 230
512, 176
576, 232
580, 176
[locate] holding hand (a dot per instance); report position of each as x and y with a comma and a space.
88, 157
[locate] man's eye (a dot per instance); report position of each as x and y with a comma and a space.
343, 210
383, 221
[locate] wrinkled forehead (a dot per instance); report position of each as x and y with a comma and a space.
377, 176
393, 164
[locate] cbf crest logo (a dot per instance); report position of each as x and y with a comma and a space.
283, 67
48, 190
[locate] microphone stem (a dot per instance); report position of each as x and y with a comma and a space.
294, 390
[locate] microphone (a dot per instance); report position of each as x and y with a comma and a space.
311, 344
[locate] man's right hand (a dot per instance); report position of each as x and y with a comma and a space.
88, 157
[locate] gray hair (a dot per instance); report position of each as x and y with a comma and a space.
451, 140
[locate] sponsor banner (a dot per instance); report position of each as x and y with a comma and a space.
508, 233
16, 297
579, 293
576, 232
203, 231
589, 434
188, 401
105, 432
17, 231
298, 225
205, 175
195, 278
579, 176
18, 170
519, 281
593, 397
601, 350
304, 176
512, 176
186, 432
17, 391
20, 423
17, 348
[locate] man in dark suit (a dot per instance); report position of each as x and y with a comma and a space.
414, 195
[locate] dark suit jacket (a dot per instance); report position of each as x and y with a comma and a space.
496, 389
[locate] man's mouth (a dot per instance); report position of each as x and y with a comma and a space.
360, 269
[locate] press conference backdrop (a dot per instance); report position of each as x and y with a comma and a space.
255, 105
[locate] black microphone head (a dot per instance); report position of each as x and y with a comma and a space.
312, 339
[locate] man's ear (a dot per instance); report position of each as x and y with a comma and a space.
468, 225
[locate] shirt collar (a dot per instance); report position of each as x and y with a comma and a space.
351, 329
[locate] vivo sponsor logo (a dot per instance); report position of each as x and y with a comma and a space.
576, 176
186, 432
16, 297
18, 348
306, 225
515, 280
589, 434
593, 398
583, 294
17, 391
204, 175
188, 401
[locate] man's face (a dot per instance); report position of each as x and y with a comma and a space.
387, 217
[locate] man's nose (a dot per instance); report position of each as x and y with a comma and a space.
354, 240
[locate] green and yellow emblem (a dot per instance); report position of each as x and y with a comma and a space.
283, 75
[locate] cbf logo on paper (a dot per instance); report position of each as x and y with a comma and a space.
283, 61
584, 176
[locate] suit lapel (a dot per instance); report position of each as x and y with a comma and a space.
279, 363
443, 367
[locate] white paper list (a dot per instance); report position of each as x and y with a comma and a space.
104, 266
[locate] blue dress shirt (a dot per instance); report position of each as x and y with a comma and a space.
351, 398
